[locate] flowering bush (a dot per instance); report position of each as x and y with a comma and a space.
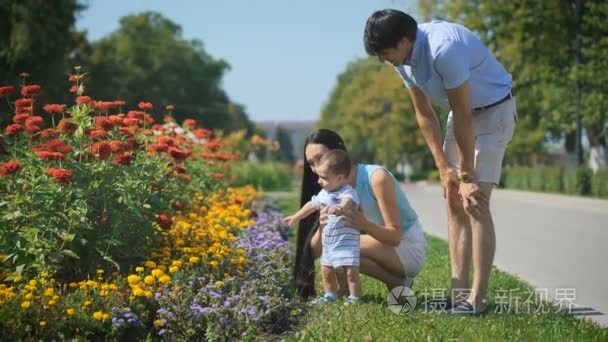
88, 191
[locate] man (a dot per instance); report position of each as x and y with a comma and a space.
448, 64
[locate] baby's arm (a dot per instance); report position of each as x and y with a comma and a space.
305, 211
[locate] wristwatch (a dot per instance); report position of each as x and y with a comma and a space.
466, 177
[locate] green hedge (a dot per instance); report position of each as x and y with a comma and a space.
576, 181
271, 176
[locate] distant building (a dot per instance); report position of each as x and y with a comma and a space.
298, 132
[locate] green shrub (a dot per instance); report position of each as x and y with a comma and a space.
578, 181
265, 176
599, 184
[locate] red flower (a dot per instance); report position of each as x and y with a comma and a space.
202, 133
80, 100
180, 169
72, 78
61, 176
163, 139
120, 103
14, 129
136, 114
30, 90
178, 205
131, 143
158, 128
34, 121
116, 120
123, 158
218, 176
149, 119
50, 133
105, 106
158, 148
32, 130
179, 155
54, 108
190, 123
102, 150
213, 145
97, 134
130, 122
50, 155
104, 123
20, 118
165, 221
168, 118
6, 91
57, 145
73, 89
145, 106
66, 126
9, 167
23, 103
117, 146
170, 108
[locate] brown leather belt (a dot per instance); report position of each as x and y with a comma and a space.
509, 96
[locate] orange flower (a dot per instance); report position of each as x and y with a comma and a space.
20, 118
145, 106
30, 90
50, 155
14, 129
179, 155
6, 91
84, 100
62, 176
54, 108
190, 123
66, 126
123, 158
9, 167
218, 176
33, 121
164, 220
102, 150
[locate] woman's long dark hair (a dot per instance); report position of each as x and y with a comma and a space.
304, 269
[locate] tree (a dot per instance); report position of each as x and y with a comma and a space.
285, 145
147, 59
535, 40
37, 37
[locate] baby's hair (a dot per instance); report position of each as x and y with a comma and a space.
338, 162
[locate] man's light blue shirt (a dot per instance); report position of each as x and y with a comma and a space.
444, 56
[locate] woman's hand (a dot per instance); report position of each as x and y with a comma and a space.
323, 217
355, 218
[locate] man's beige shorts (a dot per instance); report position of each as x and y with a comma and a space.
493, 130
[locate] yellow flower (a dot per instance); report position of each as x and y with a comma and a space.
25, 304
43, 324
33, 282
105, 316
173, 269
28, 296
87, 303
49, 292
194, 260
99, 271
138, 292
43, 274
52, 302
139, 269
17, 279
70, 312
158, 273
133, 279
165, 279
149, 280
150, 264
148, 294
98, 315
158, 323
219, 284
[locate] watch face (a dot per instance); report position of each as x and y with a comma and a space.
466, 178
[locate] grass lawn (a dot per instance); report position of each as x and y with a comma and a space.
372, 320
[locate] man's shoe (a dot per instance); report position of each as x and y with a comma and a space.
352, 300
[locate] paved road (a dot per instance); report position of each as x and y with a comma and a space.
551, 241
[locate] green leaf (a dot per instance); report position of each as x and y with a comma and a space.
13, 215
70, 253
67, 237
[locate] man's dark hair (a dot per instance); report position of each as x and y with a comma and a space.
338, 162
384, 29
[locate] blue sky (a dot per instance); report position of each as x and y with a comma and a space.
284, 55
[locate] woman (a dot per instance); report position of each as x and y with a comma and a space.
393, 246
